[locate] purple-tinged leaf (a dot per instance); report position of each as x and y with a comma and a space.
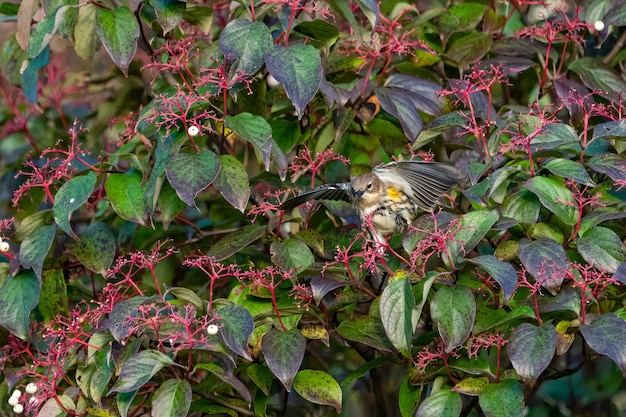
615, 129
598, 216
438, 126
35, 247
52, 408
610, 164
370, 10
232, 182
70, 197
575, 96
119, 31
248, 42
502, 272
531, 350
454, 312
235, 241
283, 353
323, 284
509, 65
139, 369
397, 102
398, 315
118, 321
189, 174
620, 273
236, 327
602, 248
567, 299
555, 197
569, 169
607, 336
172, 399
423, 93
441, 403
127, 197
505, 399
368, 330
546, 261
291, 254
228, 377
299, 69
318, 387
18, 296
169, 13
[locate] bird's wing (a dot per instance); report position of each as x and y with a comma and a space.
423, 182
339, 191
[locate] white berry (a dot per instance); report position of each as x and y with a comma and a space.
193, 131
31, 388
4, 246
17, 393
13, 401
212, 329
599, 25
18, 408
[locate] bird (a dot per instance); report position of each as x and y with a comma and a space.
388, 198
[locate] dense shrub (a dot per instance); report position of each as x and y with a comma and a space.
146, 267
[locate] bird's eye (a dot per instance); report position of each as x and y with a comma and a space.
369, 186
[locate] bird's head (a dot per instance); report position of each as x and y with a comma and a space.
367, 187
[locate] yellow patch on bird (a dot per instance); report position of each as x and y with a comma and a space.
394, 194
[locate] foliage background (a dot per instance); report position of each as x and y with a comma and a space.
146, 147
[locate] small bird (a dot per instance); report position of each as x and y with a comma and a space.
387, 199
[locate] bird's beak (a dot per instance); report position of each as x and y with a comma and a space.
357, 194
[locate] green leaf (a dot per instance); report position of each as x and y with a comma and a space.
291, 254
505, 399
232, 182
461, 17
228, 377
441, 403
502, 272
172, 399
553, 136
522, 206
261, 376
255, 130
555, 197
603, 248
487, 319
318, 387
283, 353
607, 336
299, 69
237, 325
169, 204
470, 48
597, 216
610, 164
569, 169
531, 350
123, 400
397, 314
598, 76
368, 330
119, 31
473, 227
408, 397
169, 13
318, 31
70, 197
95, 248
41, 36
127, 197
53, 300
248, 42
454, 311
189, 174
30, 75
35, 247
139, 369
86, 41
18, 296
546, 261
235, 241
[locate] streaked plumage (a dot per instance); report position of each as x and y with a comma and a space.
391, 194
